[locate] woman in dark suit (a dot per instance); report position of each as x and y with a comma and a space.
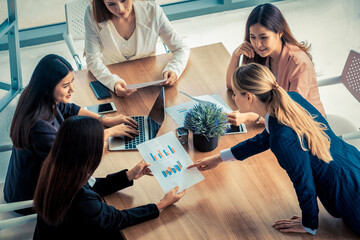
319, 163
69, 206
42, 107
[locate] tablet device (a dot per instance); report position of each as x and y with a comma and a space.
232, 129
100, 90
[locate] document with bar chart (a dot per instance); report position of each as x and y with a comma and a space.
169, 162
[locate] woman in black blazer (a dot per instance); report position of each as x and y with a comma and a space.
69, 206
42, 107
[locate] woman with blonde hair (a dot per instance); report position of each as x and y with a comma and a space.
318, 163
269, 41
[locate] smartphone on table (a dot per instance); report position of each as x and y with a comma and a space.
232, 129
100, 90
102, 108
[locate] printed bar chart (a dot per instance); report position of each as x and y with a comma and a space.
168, 161
153, 157
161, 154
170, 171
182, 110
171, 149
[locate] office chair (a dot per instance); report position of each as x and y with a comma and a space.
5, 148
14, 225
350, 77
75, 12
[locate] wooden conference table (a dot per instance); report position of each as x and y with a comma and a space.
238, 200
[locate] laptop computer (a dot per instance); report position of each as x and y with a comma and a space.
148, 126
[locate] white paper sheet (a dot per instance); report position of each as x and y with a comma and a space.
206, 99
145, 84
178, 112
169, 162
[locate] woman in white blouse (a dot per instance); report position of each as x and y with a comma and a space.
122, 30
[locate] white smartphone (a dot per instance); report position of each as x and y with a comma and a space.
102, 108
232, 129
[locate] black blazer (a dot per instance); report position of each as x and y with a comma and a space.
89, 217
24, 166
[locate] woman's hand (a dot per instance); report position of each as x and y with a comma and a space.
171, 197
171, 78
245, 49
119, 119
236, 118
140, 169
121, 91
291, 225
120, 130
207, 163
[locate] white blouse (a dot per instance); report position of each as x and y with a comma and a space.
126, 47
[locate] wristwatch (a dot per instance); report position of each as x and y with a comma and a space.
101, 117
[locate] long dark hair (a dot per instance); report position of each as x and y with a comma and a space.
270, 17
100, 11
76, 153
37, 101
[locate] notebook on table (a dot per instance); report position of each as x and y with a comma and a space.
148, 126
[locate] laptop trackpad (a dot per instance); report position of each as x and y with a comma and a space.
116, 143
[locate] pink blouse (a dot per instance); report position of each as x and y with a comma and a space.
296, 73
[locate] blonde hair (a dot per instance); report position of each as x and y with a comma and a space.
258, 80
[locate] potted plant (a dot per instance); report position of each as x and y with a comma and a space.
207, 122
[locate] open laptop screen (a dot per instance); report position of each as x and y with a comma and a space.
157, 113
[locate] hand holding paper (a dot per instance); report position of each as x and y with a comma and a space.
140, 169
170, 198
169, 162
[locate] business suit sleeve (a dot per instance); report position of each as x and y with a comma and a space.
42, 137
173, 40
296, 162
68, 109
252, 146
112, 183
98, 213
94, 56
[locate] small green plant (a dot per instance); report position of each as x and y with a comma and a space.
207, 120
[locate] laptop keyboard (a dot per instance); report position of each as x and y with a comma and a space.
130, 143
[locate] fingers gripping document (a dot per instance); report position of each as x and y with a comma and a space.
169, 162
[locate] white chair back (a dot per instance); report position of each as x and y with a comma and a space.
75, 12
351, 74
350, 77
12, 224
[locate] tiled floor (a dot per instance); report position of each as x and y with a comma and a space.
331, 26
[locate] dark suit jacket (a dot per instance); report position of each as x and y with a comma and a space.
337, 184
24, 166
89, 217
